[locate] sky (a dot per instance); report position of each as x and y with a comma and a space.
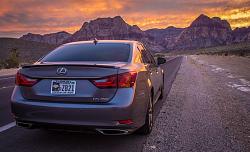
18, 17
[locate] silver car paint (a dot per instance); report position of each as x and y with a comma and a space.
122, 104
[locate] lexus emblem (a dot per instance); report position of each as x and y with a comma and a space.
61, 71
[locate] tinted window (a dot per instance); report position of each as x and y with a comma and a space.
90, 52
148, 54
152, 60
145, 57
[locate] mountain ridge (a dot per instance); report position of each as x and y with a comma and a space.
203, 32
51, 38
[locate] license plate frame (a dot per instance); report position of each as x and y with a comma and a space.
63, 87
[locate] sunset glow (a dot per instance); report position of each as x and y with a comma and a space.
19, 17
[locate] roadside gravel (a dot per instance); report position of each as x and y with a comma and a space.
201, 114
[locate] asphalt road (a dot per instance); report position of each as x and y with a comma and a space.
19, 139
6, 87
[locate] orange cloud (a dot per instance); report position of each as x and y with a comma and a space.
22, 16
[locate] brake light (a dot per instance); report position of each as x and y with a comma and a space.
126, 80
107, 82
23, 80
123, 80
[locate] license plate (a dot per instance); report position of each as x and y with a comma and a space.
63, 87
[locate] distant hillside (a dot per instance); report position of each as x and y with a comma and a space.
165, 37
29, 51
52, 38
238, 49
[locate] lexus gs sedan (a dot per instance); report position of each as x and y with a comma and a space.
107, 86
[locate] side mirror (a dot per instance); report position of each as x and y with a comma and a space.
161, 60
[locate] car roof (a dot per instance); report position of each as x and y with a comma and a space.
104, 41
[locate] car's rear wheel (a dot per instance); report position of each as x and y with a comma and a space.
162, 89
161, 96
147, 127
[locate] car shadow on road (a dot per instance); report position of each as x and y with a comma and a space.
41, 140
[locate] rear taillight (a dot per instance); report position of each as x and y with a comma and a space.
23, 80
123, 80
126, 80
107, 82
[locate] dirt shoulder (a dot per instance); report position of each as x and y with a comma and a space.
202, 113
5, 72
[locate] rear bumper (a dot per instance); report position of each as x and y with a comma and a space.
85, 115
105, 130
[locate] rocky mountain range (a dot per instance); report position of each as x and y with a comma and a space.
52, 38
202, 32
165, 37
241, 34
112, 29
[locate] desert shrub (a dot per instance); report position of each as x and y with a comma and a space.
1, 64
242, 53
159, 55
13, 60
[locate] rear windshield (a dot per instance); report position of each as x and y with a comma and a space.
116, 52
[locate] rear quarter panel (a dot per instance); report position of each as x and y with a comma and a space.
142, 93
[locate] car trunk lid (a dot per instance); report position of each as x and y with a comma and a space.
79, 74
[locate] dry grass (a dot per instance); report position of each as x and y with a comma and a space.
28, 51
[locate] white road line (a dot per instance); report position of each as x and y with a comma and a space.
171, 59
7, 78
8, 126
6, 87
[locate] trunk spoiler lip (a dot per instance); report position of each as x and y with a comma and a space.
74, 64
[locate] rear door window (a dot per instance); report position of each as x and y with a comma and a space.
149, 55
145, 58
152, 60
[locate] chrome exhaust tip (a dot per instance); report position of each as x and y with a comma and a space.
24, 124
113, 131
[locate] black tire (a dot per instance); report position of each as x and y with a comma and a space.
161, 96
162, 89
148, 126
